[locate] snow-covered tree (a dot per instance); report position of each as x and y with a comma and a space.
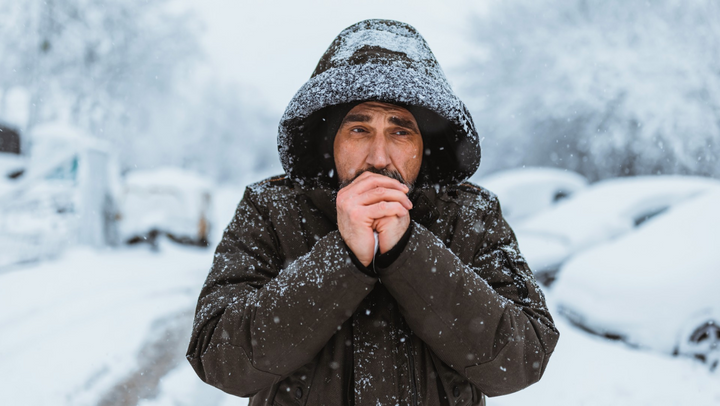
123, 70
225, 132
235, 132
606, 88
94, 61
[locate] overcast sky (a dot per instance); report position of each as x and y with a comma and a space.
272, 47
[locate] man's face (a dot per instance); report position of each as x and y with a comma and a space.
379, 137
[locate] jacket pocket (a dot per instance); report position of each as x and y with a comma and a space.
294, 390
457, 388
229, 368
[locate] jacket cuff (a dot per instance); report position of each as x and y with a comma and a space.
362, 268
387, 259
382, 260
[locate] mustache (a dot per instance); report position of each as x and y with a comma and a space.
384, 172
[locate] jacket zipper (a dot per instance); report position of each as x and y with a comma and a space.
409, 351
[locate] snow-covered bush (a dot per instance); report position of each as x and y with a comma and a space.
604, 88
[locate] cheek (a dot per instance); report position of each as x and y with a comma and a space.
344, 162
413, 164
411, 158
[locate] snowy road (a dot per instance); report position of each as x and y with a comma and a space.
96, 327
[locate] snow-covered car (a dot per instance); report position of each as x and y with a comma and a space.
604, 211
166, 201
527, 191
655, 287
67, 193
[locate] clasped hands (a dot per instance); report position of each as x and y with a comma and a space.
372, 202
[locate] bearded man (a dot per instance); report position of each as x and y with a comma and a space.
372, 273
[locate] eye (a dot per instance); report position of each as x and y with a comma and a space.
357, 130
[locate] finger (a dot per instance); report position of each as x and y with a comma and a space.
380, 194
381, 224
385, 209
368, 181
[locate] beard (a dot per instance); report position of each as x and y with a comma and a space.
384, 172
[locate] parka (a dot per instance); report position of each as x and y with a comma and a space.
287, 316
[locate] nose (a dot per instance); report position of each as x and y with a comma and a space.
378, 156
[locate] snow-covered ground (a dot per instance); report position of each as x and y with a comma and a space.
111, 327
72, 329
100, 327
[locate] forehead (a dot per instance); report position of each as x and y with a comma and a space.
379, 107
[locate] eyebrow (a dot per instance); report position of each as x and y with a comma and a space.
405, 123
364, 118
355, 118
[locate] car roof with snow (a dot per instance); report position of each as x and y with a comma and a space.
603, 211
526, 191
613, 207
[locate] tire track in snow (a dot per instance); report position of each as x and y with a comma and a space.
161, 353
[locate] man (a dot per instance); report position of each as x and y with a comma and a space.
370, 274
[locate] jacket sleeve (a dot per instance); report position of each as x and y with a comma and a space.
486, 319
256, 320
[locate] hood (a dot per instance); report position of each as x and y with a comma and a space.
386, 61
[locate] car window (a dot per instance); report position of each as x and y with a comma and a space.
643, 217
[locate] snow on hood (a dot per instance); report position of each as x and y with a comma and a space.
387, 61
